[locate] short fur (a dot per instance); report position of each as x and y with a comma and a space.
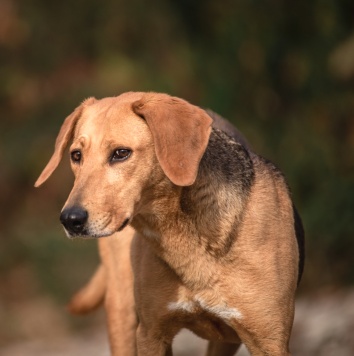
215, 248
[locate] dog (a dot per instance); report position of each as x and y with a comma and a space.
111, 284
218, 246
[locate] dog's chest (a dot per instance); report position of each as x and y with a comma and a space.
198, 305
208, 320
206, 315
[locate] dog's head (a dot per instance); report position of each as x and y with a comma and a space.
121, 149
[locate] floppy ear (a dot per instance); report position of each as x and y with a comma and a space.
180, 131
61, 142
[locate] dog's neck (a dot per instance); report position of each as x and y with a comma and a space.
191, 226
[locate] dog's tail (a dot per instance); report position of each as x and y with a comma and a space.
91, 296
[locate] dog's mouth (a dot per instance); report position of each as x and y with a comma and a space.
87, 233
125, 223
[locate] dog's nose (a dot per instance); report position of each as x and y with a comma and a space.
74, 219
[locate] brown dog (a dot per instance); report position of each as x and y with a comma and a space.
111, 284
216, 250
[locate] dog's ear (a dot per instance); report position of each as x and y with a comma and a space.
180, 131
64, 136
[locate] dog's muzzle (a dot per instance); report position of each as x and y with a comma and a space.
74, 220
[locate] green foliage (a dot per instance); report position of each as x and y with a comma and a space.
279, 70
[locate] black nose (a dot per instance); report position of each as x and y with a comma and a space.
74, 219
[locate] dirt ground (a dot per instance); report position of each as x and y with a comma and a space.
324, 326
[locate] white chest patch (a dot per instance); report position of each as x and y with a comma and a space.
186, 306
221, 311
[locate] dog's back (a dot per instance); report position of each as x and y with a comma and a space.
226, 126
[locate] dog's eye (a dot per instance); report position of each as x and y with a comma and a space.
76, 156
120, 154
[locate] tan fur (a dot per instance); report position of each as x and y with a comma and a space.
112, 285
228, 277
119, 300
179, 141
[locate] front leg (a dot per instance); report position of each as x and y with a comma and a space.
150, 345
264, 335
119, 296
154, 285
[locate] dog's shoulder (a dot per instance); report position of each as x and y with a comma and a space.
228, 160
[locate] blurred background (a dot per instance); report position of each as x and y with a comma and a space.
281, 71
